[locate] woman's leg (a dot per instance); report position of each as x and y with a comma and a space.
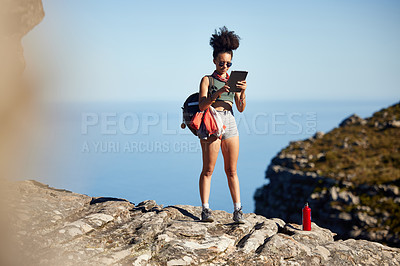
210, 149
230, 151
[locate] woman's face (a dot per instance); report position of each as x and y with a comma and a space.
221, 63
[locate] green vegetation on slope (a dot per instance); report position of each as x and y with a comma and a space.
365, 151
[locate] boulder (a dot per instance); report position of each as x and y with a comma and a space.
353, 119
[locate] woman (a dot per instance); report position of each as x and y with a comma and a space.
219, 96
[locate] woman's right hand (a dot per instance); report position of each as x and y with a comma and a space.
219, 92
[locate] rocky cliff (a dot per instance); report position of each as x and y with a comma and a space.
57, 227
350, 176
17, 107
17, 98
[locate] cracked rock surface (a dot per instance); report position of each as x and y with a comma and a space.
58, 227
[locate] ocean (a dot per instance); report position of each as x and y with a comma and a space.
137, 150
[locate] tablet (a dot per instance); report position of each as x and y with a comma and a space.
234, 78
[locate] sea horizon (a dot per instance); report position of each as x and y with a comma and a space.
137, 150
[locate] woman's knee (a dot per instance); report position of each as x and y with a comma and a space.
230, 172
207, 172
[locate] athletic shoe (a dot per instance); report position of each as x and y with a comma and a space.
206, 215
238, 216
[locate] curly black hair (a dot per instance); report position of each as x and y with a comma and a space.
224, 41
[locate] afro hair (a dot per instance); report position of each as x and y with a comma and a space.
224, 41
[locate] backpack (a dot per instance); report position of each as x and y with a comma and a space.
191, 107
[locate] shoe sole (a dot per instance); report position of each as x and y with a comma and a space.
208, 220
239, 222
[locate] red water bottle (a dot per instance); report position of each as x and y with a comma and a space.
306, 218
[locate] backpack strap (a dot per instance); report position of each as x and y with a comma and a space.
211, 79
210, 84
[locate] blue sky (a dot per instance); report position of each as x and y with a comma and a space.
159, 50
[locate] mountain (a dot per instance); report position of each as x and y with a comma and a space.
350, 177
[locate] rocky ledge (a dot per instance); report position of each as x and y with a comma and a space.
58, 227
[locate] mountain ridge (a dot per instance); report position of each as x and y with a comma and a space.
350, 176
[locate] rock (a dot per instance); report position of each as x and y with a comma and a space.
365, 219
348, 197
288, 186
116, 232
321, 157
18, 112
393, 124
353, 119
334, 194
335, 204
319, 135
285, 246
345, 216
345, 144
389, 190
287, 160
17, 103
317, 235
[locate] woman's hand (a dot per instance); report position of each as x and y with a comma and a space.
219, 92
242, 85
240, 97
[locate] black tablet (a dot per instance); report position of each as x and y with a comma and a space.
234, 78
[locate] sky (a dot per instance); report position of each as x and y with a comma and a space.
97, 50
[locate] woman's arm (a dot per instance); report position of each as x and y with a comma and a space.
240, 97
204, 99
